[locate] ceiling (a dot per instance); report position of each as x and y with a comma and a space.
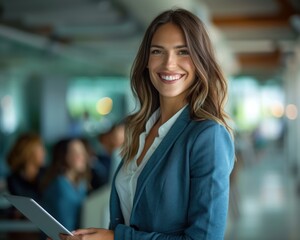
78, 37
260, 33
92, 37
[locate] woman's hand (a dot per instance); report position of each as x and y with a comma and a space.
89, 234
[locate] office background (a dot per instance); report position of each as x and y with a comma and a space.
64, 71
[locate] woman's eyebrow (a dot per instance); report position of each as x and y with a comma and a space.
176, 47
180, 46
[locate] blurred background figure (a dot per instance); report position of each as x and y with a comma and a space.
95, 210
66, 182
107, 159
26, 161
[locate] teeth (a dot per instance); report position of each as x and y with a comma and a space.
170, 77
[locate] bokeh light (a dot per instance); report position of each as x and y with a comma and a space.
104, 105
277, 110
291, 111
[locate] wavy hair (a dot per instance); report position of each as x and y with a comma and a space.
207, 95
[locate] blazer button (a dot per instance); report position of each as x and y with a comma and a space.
134, 227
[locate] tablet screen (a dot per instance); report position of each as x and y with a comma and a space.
38, 215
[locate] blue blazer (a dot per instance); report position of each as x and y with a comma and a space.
183, 190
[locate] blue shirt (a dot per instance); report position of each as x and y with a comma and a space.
63, 201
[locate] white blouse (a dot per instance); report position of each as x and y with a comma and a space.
127, 177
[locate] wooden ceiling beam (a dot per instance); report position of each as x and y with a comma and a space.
281, 19
243, 21
269, 60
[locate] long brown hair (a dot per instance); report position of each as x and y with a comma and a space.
206, 97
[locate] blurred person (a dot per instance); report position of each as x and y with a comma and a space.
110, 141
26, 160
66, 182
106, 160
97, 170
95, 210
178, 154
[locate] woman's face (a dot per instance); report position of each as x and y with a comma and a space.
171, 68
77, 156
39, 155
35, 161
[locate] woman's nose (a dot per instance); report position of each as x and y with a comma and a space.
170, 60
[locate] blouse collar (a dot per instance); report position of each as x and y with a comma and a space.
163, 129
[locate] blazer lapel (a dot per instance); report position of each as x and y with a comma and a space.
160, 153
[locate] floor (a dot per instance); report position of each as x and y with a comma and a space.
264, 204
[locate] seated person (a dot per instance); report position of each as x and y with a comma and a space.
25, 160
65, 185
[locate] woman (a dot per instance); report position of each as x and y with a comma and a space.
26, 160
66, 182
178, 154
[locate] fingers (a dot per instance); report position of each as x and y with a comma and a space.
89, 234
85, 231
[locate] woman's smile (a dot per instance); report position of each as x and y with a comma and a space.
170, 78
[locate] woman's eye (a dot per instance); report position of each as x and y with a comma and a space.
183, 52
155, 51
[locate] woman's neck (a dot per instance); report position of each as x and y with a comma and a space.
72, 176
168, 107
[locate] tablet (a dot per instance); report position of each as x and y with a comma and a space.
38, 215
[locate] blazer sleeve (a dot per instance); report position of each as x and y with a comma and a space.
211, 162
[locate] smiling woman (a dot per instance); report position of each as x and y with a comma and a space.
173, 182
171, 68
